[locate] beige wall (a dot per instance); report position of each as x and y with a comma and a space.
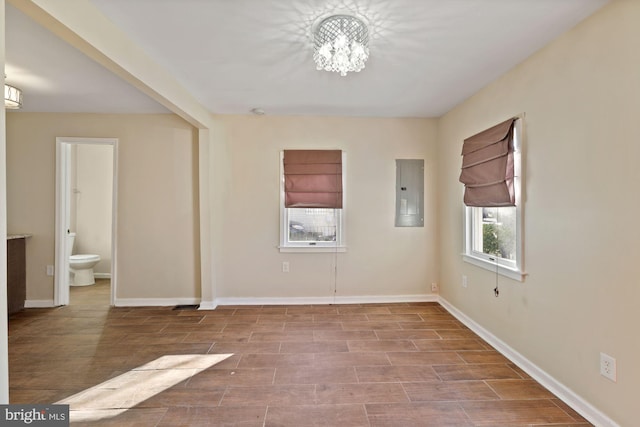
157, 238
91, 195
381, 260
581, 96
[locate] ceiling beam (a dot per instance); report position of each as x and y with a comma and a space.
84, 27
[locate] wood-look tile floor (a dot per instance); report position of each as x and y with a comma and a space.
341, 365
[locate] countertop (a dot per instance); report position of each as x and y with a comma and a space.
17, 236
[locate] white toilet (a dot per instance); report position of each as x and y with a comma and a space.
80, 266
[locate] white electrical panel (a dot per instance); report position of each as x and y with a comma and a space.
409, 192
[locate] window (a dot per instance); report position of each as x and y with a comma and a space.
311, 229
493, 235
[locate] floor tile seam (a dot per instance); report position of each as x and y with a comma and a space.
289, 405
159, 422
412, 341
282, 326
362, 405
406, 393
437, 374
486, 382
458, 402
553, 401
224, 394
313, 389
375, 331
509, 364
386, 354
466, 415
524, 423
495, 401
213, 343
417, 403
201, 322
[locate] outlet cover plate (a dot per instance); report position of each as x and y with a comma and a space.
608, 367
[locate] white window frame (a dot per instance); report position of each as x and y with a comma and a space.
508, 268
339, 245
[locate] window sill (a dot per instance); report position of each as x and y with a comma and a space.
313, 249
511, 273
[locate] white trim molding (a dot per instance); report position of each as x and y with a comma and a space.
62, 214
372, 299
155, 302
212, 305
208, 305
503, 270
308, 249
584, 408
39, 303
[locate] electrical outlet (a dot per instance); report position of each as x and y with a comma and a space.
434, 287
608, 367
464, 281
50, 270
285, 266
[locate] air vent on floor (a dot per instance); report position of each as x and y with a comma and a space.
186, 307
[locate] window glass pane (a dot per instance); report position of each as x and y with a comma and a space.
498, 232
312, 224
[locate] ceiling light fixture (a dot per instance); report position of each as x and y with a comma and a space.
341, 44
12, 97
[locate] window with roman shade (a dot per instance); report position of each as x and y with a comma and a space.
488, 167
492, 172
313, 178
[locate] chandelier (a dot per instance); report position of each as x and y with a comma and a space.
341, 44
12, 97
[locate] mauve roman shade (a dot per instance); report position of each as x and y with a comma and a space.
313, 179
487, 167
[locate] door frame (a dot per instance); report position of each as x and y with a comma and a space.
62, 215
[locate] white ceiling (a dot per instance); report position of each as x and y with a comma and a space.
55, 77
426, 55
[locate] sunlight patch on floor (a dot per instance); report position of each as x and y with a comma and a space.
115, 396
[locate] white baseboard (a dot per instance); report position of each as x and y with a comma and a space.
207, 305
155, 302
211, 305
367, 299
39, 303
102, 275
565, 394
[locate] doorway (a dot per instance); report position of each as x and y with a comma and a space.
67, 194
